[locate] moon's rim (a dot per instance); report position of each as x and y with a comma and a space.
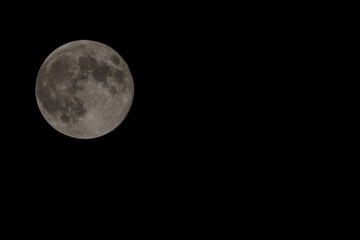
130, 103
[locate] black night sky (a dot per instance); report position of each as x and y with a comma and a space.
217, 126
162, 50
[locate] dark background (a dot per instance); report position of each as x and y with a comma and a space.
166, 132
197, 137
164, 157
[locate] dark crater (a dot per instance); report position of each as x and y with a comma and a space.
113, 90
101, 72
87, 63
59, 70
114, 59
76, 84
119, 76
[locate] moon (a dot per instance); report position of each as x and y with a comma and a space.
84, 89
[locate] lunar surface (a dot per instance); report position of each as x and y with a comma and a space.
84, 89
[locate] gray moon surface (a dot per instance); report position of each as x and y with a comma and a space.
84, 89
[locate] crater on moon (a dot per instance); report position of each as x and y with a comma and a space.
115, 59
84, 89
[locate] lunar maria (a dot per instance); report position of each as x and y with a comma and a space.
84, 89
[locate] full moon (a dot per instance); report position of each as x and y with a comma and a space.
84, 89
